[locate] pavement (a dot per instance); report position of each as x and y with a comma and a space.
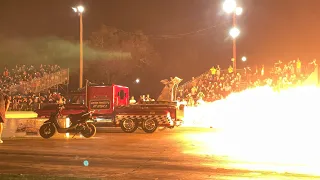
112, 154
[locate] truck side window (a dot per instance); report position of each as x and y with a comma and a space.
74, 100
77, 100
81, 99
121, 94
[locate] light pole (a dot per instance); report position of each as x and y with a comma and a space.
80, 10
230, 6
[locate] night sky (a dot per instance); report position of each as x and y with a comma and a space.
271, 30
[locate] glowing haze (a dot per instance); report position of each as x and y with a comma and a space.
263, 129
51, 50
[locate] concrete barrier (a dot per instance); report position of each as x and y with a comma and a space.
21, 115
21, 127
18, 125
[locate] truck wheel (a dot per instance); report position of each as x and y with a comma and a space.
149, 125
128, 126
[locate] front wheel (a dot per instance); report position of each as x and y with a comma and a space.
149, 125
128, 126
47, 131
89, 131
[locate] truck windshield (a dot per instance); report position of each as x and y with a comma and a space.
76, 100
121, 94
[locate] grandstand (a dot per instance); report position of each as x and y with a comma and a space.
31, 87
28, 87
40, 84
213, 85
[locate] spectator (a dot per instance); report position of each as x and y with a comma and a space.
217, 84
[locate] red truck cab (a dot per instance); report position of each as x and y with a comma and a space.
103, 99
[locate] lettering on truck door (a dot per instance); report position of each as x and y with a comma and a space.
100, 104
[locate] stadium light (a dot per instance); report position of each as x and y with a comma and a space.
137, 80
244, 59
229, 6
80, 10
239, 11
234, 32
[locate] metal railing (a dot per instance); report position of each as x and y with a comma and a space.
37, 85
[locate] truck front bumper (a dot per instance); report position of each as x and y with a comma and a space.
175, 123
178, 122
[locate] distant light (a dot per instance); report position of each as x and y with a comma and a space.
137, 80
239, 11
244, 59
86, 163
79, 9
74, 9
229, 6
234, 32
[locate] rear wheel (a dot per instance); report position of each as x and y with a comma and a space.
89, 131
47, 131
149, 125
128, 126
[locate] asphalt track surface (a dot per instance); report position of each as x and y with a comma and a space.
117, 155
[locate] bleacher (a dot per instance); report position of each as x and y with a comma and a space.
37, 85
201, 76
28, 86
209, 87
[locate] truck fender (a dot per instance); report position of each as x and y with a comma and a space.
47, 122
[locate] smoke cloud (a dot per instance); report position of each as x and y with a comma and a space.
51, 50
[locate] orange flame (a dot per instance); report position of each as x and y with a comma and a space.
263, 129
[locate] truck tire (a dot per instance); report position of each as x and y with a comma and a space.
128, 126
149, 125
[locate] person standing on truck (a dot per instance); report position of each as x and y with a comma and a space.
4, 105
132, 100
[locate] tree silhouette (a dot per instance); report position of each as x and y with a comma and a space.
137, 45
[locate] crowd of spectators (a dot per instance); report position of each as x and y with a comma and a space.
25, 73
217, 84
31, 102
211, 86
142, 98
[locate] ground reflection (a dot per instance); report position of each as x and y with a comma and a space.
219, 154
